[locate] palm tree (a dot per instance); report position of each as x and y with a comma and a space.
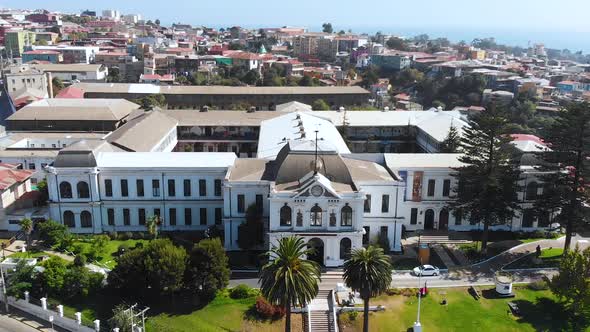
288, 279
152, 225
26, 225
367, 271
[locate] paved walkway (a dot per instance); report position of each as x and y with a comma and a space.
497, 262
19, 321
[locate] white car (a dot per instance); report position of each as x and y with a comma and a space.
426, 270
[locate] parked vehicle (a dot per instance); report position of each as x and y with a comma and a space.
426, 270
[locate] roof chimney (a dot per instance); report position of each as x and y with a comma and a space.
341, 109
205, 108
386, 108
438, 109
252, 109
49, 85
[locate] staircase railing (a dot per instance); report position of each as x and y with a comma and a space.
308, 318
333, 311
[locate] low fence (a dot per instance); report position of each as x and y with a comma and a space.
40, 309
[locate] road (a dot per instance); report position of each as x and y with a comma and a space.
17, 323
406, 280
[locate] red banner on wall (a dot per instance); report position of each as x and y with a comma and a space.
417, 186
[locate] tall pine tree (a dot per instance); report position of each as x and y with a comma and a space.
452, 142
488, 181
567, 169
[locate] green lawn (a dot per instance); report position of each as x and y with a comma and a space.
29, 254
549, 258
463, 313
111, 248
221, 314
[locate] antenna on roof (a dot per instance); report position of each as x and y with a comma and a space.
315, 168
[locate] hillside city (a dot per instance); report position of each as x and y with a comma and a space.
158, 177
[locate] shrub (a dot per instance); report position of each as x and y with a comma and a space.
113, 235
267, 310
539, 285
127, 236
77, 248
80, 260
240, 292
393, 291
138, 245
123, 248
352, 315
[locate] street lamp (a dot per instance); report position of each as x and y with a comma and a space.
417, 325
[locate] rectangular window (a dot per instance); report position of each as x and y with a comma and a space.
202, 187
431, 187
368, 204
203, 216
32, 166
385, 203
458, 217
157, 213
217, 187
172, 217
141, 216
188, 216
124, 188
241, 204
187, 187
366, 236
218, 216
139, 185
171, 188
156, 188
259, 204
414, 216
383, 233
111, 217
108, 188
126, 217
446, 188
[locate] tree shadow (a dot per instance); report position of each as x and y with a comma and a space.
549, 315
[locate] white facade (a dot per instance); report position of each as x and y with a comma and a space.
184, 189
27, 79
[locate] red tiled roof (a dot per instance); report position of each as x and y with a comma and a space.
8, 165
71, 92
112, 53
527, 137
41, 52
9, 177
567, 82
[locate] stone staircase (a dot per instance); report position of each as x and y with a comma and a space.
439, 239
320, 316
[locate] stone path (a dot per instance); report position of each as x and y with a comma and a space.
442, 253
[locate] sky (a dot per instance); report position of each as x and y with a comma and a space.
557, 23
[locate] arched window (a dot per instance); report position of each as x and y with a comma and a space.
531, 191
83, 191
85, 219
528, 217
69, 218
65, 190
316, 216
346, 216
345, 246
285, 215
